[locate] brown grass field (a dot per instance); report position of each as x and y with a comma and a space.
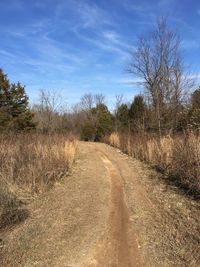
30, 164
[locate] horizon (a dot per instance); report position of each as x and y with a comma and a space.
78, 47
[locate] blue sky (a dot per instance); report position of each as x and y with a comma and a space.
80, 46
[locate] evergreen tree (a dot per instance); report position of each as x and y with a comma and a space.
137, 113
195, 99
193, 114
14, 111
122, 116
104, 121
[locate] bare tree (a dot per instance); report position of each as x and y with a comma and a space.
47, 111
87, 101
118, 101
99, 99
158, 62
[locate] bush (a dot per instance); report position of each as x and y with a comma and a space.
88, 132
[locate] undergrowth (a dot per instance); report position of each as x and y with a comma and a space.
177, 157
29, 165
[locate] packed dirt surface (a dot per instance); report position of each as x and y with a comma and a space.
112, 211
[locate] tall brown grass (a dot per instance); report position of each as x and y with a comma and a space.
30, 164
178, 157
114, 140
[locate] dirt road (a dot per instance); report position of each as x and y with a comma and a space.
112, 211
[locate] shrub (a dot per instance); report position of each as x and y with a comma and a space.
88, 132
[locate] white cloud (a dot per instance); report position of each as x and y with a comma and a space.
129, 5
7, 54
107, 40
111, 36
105, 45
195, 76
86, 15
116, 39
130, 81
190, 44
92, 15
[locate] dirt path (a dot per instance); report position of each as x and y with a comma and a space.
116, 249
112, 211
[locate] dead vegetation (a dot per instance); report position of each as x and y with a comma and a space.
30, 164
178, 157
114, 140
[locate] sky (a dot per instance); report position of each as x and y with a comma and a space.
75, 47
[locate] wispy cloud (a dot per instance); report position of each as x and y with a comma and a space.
116, 39
7, 54
129, 5
129, 81
190, 44
86, 14
195, 76
104, 40
91, 15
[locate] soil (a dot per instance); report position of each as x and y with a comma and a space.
111, 211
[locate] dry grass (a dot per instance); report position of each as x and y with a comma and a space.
30, 164
114, 140
177, 157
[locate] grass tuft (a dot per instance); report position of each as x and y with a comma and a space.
114, 140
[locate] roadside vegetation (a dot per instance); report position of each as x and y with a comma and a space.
30, 161
176, 157
30, 164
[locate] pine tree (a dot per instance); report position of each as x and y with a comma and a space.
137, 113
193, 113
14, 111
104, 121
122, 116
